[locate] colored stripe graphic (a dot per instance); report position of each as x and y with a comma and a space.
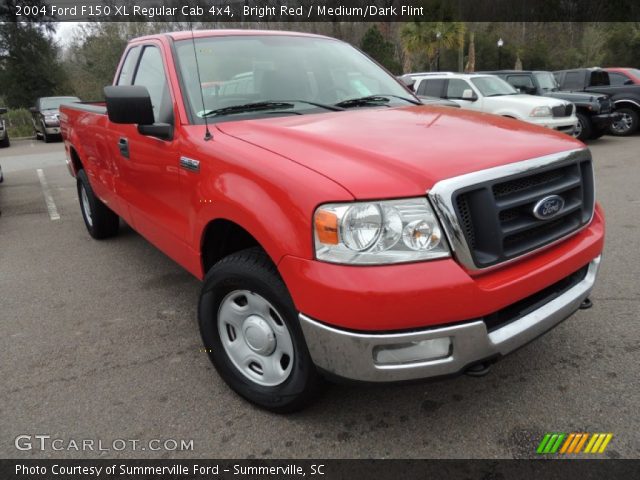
573, 443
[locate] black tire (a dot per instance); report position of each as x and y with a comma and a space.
46, 138
584, 129
102, 222
252, 270
628, 125
5, 142
599, 133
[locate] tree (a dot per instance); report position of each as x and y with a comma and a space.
29, 64
374, 44
423, 41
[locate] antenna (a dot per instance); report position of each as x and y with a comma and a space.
207, 134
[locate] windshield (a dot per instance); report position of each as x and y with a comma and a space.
635, 72
493, 86
239, 70
546, 81
53, 103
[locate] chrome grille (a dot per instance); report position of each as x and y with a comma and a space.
488, 215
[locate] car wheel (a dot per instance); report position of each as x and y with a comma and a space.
100, 220
627, 125
251, 333
46, 138
5, 142
584, 129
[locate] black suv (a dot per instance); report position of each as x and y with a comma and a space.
626, 98
4, 134
595, 111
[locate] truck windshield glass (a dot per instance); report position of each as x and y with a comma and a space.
493, 86
240, 70
54, 103
546, 81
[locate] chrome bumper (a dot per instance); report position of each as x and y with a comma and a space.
351, 355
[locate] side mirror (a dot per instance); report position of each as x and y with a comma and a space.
129, 104
628, 82
3, 110
468, 94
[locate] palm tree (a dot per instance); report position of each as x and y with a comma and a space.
423, 41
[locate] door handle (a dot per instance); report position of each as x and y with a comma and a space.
123, 146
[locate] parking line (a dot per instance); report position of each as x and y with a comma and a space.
51, 206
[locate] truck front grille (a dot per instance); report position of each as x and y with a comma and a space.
562, 110
497, 217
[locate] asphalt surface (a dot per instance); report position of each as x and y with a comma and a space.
99, 340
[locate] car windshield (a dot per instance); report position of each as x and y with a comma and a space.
493, 86
53, 103
546, 81
312, 73
635, 72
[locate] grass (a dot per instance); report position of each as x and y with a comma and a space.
19, 123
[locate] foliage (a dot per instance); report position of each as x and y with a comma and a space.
424, 41
29, 64
19, 123
383, 51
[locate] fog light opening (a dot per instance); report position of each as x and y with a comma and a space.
413, 352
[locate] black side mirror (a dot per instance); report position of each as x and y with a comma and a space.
131, 104
628, 82
3, 110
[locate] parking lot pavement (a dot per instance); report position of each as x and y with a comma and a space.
99, 340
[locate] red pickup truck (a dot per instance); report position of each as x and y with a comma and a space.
340, 228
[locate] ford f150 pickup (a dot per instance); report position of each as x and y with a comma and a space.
341, 228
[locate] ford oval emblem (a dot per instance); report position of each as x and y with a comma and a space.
548, 207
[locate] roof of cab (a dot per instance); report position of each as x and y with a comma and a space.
186, 34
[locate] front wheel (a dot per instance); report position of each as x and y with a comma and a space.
627, 125
584, 129
5, 142
251, 333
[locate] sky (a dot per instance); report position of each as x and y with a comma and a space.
64, 32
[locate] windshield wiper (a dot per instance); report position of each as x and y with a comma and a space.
372, 100
248, 107
333, 108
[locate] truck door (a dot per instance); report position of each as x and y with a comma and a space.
149, 165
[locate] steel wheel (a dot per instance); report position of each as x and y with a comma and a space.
86, 208
255, 338
577, 131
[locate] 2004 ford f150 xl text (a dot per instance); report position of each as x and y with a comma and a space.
341, 229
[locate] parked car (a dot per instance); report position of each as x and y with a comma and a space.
490, 94
4, 133
409, 81
594, 111
626, 98
46, 116
342, 231
623, 76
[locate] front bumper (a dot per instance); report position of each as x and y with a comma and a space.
563, 124
605, 120
53, 130
352, 355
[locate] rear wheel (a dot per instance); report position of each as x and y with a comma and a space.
627, 125
250, 330
100, 220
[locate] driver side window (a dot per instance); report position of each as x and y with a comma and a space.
456, 87
151, 74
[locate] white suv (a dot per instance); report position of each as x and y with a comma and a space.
490, 94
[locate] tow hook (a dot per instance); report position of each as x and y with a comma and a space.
586, 304
478, 370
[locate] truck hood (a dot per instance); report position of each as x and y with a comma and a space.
574, 97
526, 100
396, 152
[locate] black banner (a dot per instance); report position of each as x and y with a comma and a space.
319, 469
239, 11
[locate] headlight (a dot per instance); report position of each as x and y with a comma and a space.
378, 232
540, 112
50, 119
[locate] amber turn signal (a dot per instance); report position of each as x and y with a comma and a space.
326, 225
